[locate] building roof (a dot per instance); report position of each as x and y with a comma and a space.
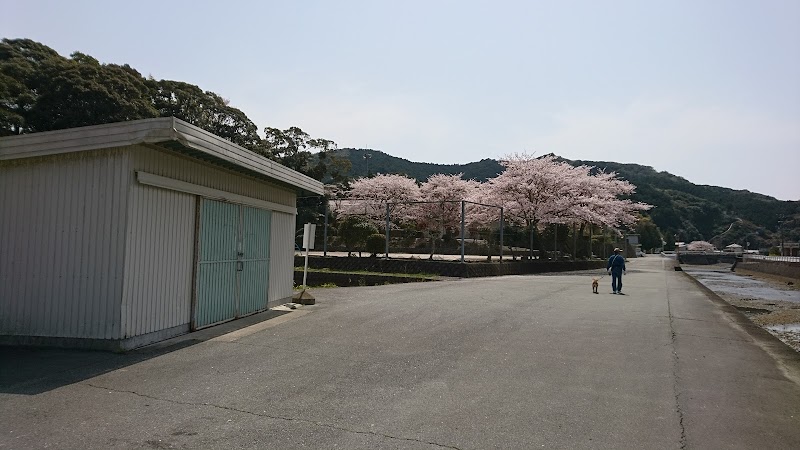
166, 132
733, 246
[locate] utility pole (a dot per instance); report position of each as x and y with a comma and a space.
367, 157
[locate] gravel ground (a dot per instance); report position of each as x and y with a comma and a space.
770, 301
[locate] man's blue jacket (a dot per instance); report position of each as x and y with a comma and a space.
616, 263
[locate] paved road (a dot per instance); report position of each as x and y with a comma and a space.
506, 362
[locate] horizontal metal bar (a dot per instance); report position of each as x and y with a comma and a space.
210, 193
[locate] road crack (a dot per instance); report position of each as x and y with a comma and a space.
675, 359
268, 416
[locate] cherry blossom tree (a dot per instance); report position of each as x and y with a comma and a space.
539, 191
530, 190
368, 197
442, 211
534, 192
700, 246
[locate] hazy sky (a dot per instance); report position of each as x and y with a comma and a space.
708, 90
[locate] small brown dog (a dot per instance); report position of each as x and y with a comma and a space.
595, 284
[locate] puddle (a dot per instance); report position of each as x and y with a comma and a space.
752, 310
786, 328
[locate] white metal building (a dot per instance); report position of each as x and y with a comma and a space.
119, 235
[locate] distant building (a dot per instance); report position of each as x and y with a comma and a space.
790, 249
734, 248
632, 246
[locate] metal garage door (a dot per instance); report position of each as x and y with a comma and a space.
233, 262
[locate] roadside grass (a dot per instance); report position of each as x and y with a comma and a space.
321, 286
366, 272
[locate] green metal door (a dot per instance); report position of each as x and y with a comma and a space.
233, 262
218, 260
254, 277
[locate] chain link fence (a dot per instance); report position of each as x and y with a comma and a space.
450, 230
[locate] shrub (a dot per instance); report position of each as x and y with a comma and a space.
354, 230
376, 243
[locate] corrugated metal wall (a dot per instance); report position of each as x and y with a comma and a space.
159, 256
217, 275
281, 249
254, 274
175, 212
171, 165
62, 238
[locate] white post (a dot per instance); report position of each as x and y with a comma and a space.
305, 270
309, 230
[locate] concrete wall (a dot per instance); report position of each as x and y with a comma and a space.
780, 268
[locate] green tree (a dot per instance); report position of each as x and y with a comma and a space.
204, 109
354, 231
293, 147
41, 90
649, 235
20, 62
669, 240
80, 91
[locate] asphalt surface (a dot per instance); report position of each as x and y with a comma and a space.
507, 362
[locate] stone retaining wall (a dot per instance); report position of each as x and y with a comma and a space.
706, 258
445, 268
780, 268
352, 279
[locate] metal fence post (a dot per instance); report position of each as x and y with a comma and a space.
502, 225
462, 231
325, 232
387, 230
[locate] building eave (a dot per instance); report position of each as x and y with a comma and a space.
167, 132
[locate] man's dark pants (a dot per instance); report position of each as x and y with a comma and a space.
616, 279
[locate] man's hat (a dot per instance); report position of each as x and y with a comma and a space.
617, 250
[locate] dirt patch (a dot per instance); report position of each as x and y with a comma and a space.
789, 283
780, 317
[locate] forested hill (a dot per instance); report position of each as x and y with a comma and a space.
682, 208
710, 210
380, 162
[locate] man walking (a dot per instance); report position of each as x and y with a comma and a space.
616, 267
